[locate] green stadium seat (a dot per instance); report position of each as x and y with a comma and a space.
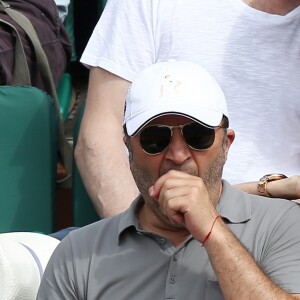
28, 160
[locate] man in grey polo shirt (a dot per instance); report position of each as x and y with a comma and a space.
189, 235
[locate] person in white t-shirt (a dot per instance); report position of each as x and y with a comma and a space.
252, 48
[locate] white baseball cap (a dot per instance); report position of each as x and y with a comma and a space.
23, 259
174, 87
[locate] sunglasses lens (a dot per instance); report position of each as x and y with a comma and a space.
155, 139
198, 136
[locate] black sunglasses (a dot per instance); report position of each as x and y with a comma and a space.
155, 139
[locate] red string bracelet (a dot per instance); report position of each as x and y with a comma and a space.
212, 226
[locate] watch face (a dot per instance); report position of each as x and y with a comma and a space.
276, 176
271, 177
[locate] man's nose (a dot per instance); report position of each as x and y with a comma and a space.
178, 151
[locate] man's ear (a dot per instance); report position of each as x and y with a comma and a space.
125, 140
230, 138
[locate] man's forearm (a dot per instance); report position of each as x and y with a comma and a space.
238, 274
100, 151
107, 177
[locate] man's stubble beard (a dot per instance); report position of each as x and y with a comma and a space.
212, 178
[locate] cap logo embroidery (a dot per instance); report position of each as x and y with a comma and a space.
170, 87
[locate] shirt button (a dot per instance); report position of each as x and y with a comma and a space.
175, 258
172, 280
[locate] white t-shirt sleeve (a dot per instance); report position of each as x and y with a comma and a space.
123, 39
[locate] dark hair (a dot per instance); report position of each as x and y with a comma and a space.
224, 122
125, 130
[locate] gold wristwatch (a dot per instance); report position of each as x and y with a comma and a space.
262, 184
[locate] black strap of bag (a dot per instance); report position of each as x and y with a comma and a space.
21, 77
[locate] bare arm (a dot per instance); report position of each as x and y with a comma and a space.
288, 188
100, 152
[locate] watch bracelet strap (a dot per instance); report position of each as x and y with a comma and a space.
267, 179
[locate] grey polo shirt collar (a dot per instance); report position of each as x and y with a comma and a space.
128, 219
233, 206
